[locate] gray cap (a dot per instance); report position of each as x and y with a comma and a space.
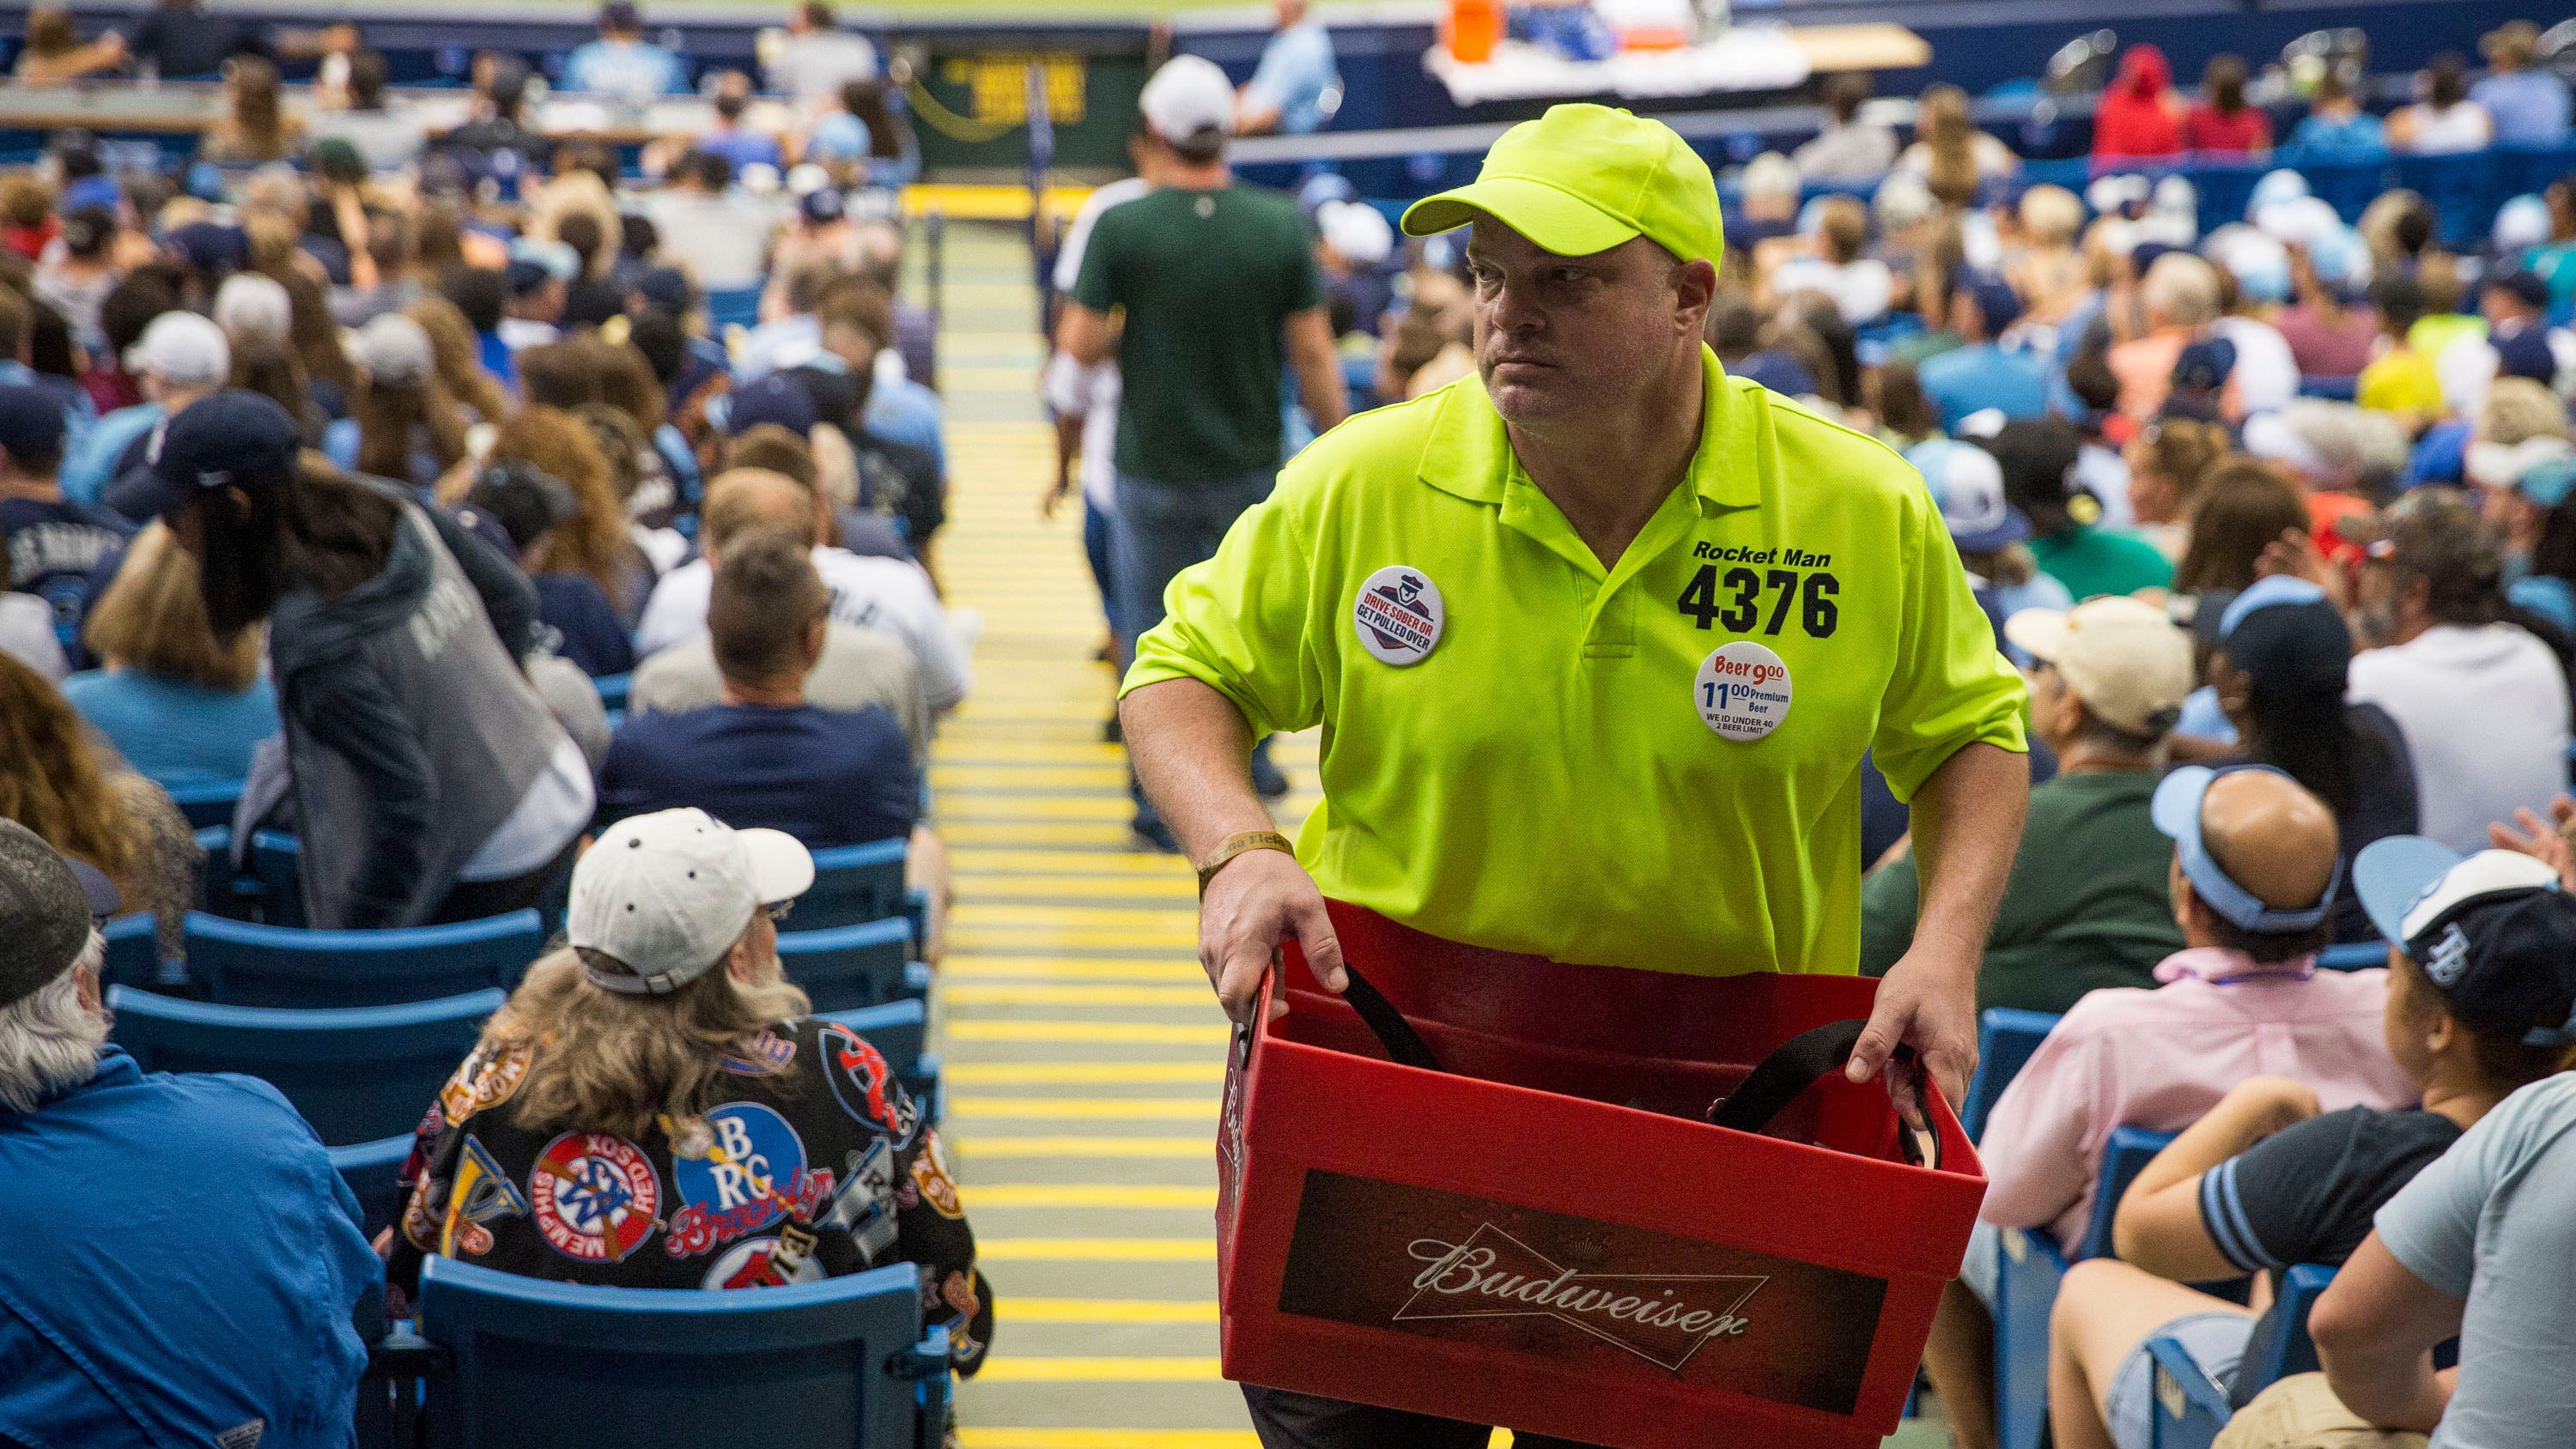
47, 907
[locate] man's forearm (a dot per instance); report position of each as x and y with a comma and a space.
1967, 825
1192, 751
2386, 1386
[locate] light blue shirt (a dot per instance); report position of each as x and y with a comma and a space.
1982, 375
901, 410
173, 732
79, 413
2358, 137
87, 468
2529, 106
624, 68
2493, 1221
1296, 70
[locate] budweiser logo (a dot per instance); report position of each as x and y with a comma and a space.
1663, 1318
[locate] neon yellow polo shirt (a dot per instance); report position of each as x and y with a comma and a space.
1546, 778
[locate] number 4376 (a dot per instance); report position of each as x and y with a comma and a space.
1736, 599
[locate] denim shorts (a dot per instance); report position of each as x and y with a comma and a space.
2216, 1341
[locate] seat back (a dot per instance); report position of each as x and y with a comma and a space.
845, 967
372, 1170
358, 1074
2223, 188
2123, 1158
2189, 1407
2006, 1037
2356, 956
2349, 186
733, 307
2286, 1348
613, 689
853, 884
208, 802
133, 955
899, 1030
242, 964
803, 1366
2459, 188
277, 873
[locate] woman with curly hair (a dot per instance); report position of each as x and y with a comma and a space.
594, 541
457, 358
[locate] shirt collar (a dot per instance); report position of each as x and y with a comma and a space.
115, 1069
1468, 453
2220, 966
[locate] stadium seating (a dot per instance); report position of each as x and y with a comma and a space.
2026, 1290
736, 307
900, 1031
358, 1074
2190, 1408
241, 964
843, 1362
853, 885
842, 967
370, 1170
207, 804
133, 958
2005, 1039
613, 689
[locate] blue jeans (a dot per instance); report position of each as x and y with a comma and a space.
1096, 529
1160, 529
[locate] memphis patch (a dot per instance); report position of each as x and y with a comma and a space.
489, 1077
746, 1172
764, 1053
482, 1195
864, 1085
595, 1197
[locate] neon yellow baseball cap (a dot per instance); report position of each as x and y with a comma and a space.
1583, 179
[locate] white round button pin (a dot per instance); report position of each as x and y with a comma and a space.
1398, 615
1742, 691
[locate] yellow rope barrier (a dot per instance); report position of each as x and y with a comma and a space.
948, 123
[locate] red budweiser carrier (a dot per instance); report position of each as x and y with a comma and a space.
1544, 1235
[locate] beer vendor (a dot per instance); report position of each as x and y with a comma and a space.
1597, 638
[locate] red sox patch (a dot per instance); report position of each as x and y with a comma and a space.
595, 1197
863, 1083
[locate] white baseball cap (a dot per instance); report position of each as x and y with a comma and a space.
2122, 656
667, 894
1188, 96
182, 348
249, 305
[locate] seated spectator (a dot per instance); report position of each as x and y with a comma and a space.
1847, 148
819, 57
2482, 701
2516, 307
1981, 372
2048, 272
1989, 533
858, 323
2336, 128
1951, 150
402, 424
664, 1050
54, 52
2222, 124
595, 541
430, 780
2280, 657
2086, 906
880, 593
621, 62
255, 126
27, 630
2548, 583
2245, 508
2444, 121
181, 359
2038, 459
2476, 1244
721, 240
740, 145
537, 280
53, 544
386, 139
2177, 297
2268, 1179
77, 277
2520, 425
2400, 379
2252, 881
18, 338
2529, 104
2170, 461
2141, 117
1770, 188
868, 142
527, 505
55, 781
1735, 335
497, 141
249, 1336
1837, 264
181, 708
2328, 323
764, 756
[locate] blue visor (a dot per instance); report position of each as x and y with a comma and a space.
2176, 812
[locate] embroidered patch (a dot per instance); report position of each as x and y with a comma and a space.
596, 1197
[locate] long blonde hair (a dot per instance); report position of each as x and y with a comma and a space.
454, 357
151, 619
51, 777
602, 1062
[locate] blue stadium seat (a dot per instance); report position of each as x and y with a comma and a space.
2027, 1289
849, 966
2355, 956
899, 1030
2333, 389
241, 964
853, 885
2190, 1407
613, 689
2222, 189
209, 803
132, 957
2461, 191
843, 1362
738, 307
276, 874
2528, 170
358, 1074
370, 1170
2005, 1039
2349, 186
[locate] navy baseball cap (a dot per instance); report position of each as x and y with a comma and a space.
774, 399
2176, 812
2204, 365
2287, 636
210, 246
2524, 286
229, 439
822, 206
2493, 932
31, 422
524, 499
1997, 302
2525, 354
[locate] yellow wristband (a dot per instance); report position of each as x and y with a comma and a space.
1234, 845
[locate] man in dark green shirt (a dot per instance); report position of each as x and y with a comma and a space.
2038, 460
1220, 293
2087, 904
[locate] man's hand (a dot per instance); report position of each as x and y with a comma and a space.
1930, 1004
1260, 898
2546, 842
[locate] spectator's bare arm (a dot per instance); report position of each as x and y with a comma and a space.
2375, 1330
1309, 335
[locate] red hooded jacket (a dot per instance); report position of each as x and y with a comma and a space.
2140, 117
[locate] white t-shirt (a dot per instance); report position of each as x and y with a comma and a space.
557, 807
2484, 709
2266, 375
1860, 289
2464, 127
722, 240
873, 593
815, 67
27, 635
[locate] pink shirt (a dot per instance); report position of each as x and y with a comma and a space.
2129, 1057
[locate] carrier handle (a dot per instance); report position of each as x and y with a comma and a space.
1403, 1044
1803, 1060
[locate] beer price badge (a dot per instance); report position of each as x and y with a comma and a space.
1398, 615
1742, 691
